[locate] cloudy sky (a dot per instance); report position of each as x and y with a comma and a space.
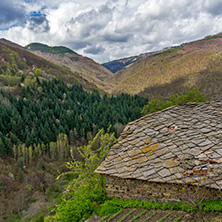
105, 30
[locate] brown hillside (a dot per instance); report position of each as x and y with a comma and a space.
195, 64
85, 67
16, 61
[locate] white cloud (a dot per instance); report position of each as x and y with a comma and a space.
11, 13
107, 30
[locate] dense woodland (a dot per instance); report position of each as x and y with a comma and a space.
50, 108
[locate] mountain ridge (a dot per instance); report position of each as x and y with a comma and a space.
118, 64
17, 63
45, 48
65, 57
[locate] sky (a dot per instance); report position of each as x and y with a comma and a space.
105, 30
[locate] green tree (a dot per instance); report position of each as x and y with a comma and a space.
87, 188
157, 104
38, 72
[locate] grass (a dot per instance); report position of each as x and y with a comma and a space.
115, 204
165, 52
178, 218
211, 37
74, 59
161, 219
126, 215
149, 217
123, 218
115, 215
162, 70
103, 219
138, 215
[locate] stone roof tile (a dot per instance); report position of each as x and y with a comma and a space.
180, 143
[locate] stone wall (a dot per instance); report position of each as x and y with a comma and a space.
162, 192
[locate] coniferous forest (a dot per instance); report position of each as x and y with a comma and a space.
40, 113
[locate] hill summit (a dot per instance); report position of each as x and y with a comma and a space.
17, 63
67, 58
61, 50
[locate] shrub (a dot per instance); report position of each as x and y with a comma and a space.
21, 175
87, 189
157, 104
38, 72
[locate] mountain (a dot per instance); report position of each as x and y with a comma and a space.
65, 57
193, 64
17, 63
117, 65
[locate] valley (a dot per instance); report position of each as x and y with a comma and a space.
60, 113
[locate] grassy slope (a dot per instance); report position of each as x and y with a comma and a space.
27, 60
87, 68
196, 64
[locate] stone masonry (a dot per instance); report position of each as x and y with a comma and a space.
179, 145
161, 192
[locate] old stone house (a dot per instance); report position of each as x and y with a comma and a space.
161, 153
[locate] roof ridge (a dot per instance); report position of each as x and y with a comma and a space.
170, 107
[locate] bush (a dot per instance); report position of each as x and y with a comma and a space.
38, 72
212, 205
40, 165
157, 104
108, 208
115, 204
87, 190
21, 175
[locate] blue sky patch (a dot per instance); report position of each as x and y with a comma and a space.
37, 14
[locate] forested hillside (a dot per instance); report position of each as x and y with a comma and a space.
50, 108
66, 58
17, 63
60, 50
40, 126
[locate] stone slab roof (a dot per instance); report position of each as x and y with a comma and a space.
179, 144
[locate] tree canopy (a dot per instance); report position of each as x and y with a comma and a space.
49, 108
157, 104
